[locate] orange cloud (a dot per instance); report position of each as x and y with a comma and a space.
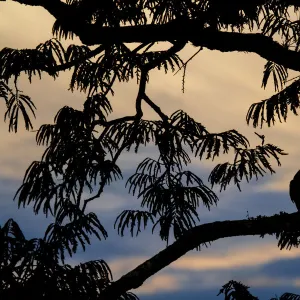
162, 283
210, 262
237, 257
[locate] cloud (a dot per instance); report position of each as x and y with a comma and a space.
297, 282
109, 202
17, 19
212, 267
162, 283
242, 257
264, 281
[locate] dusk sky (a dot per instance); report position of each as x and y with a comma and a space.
219, 88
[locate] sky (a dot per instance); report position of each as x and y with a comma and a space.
219, 88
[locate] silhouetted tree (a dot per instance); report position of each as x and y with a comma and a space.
123, 33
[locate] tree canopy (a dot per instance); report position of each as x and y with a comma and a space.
119, 38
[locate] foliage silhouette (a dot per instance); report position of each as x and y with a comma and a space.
77, 157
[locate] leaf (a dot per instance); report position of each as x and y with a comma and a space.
248, 163
133, 219
280, 75
16, 104
277, 105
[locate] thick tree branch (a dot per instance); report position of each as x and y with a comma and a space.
257, 43
199, 235
92, 34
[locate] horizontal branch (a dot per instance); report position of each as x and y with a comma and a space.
197, 236
92, 34
257, 43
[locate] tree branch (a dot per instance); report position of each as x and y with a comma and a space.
257, 43
92, 34
200, 235
156, 108
59, 9
114, 121
136, 119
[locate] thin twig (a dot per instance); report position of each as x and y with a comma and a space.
185, 64
156, 108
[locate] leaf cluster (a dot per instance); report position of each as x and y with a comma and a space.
170, 194
276, 107
213, 13
76, 159
31, 269
234, 290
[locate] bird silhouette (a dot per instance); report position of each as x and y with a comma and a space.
295, 190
